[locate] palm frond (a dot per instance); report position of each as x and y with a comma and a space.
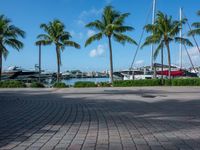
96, 25
196, 24
123, 28
198, 13
44, 27
5, 52
93, 38
194, 32
152, 39
150, 28
43, 42
65, 36
16, 31
183, 41
157, 50
121, 18
72, 44
14, 43
121, 38
44, 37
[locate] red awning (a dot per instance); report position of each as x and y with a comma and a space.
173, 73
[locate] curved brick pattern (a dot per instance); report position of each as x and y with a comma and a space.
102, 119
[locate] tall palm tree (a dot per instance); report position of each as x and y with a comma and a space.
9, 38
111, 25
55, 34
196, 25
164, 31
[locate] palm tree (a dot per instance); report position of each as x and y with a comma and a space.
55, 34
164, 31
110, 25
196, 25
9, 35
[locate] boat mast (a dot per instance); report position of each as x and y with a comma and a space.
153, 21
180, 46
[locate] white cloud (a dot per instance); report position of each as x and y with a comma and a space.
90, 12
98, 52
81, 22
139, 63
76, 34
90, 33
84, 15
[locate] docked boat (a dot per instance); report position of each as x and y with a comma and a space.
18, 73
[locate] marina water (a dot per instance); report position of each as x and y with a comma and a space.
72, 81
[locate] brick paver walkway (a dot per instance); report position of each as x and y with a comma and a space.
87, 119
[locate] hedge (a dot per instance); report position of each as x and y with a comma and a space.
104, 84
84, 84
60, 85
186, 82
37, 85
128, 83
158, 82
12, 84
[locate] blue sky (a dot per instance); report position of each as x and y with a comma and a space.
29, 14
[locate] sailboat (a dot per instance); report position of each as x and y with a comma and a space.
154, 70
139, 73
179, 71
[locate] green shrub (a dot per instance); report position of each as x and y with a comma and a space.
129, 83
158, 82
186, 82
167, 82
37, 85
12, 84
84, 84
104, 84
60, 85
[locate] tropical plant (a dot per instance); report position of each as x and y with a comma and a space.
37, 85
196, 25
9, 38
164, 31
111, 26
84, 84
55, 34
12, 84
60, 85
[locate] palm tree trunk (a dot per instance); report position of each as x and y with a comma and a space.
169, 59
40, 62
162, 65
1, 60
111, 59
58, 63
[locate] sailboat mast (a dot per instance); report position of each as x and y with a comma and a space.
180, 46
153, 21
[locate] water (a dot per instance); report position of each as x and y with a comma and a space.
73, 80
